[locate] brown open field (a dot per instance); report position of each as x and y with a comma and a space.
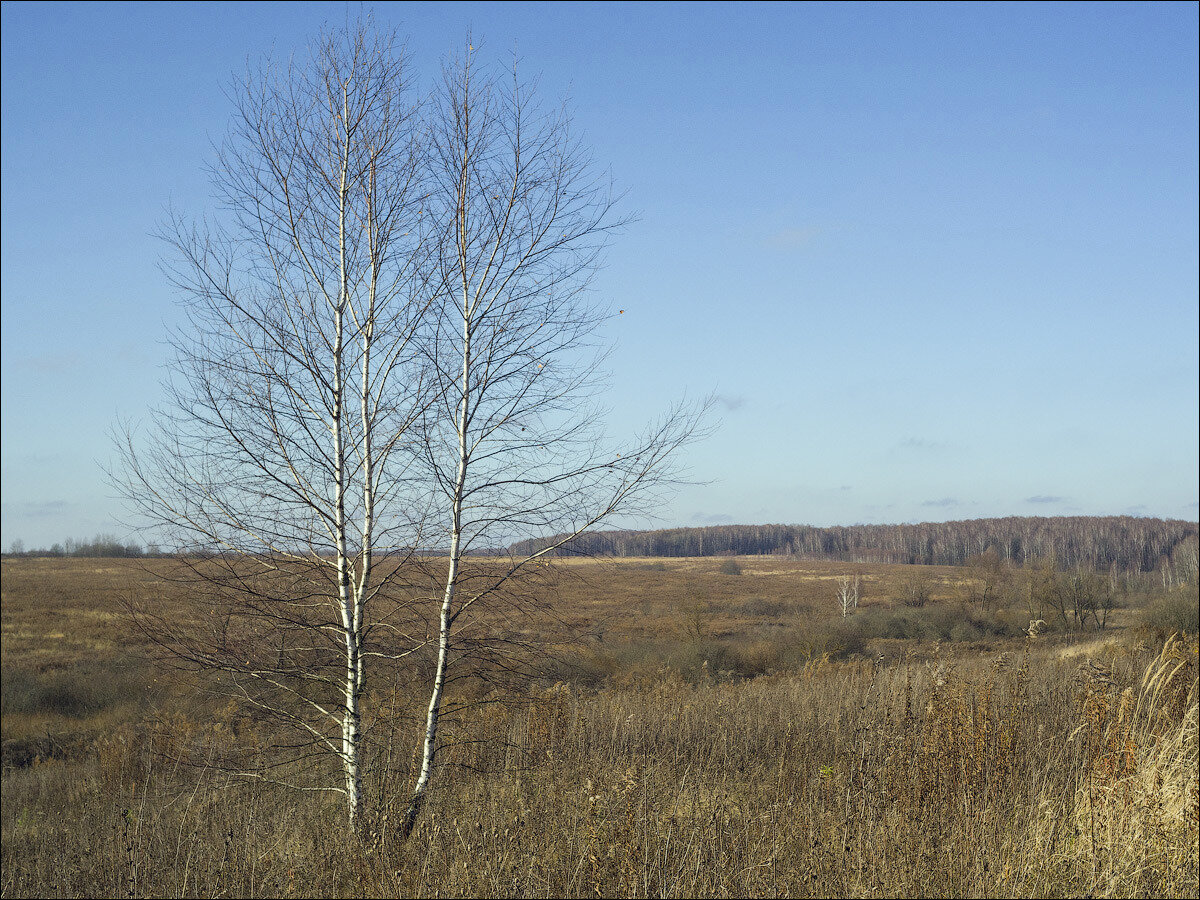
717, 729
68, 638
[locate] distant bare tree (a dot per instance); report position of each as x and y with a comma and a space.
1071, 597
848, 588
280, 459
993, 579
915, 589
1186, 559
513, 443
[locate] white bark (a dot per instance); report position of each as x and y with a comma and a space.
848, 591
295, 388
348, 602
390, 318
517, 226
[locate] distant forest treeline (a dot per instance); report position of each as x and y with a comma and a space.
102, 545
1129, 543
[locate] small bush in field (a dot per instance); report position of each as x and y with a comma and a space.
760, 606
1174, 613
836, 639
965, 632
75, 692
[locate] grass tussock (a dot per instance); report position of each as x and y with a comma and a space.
1135, 813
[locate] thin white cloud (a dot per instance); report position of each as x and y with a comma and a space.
712, 518
918, 446
792, 238
38, 509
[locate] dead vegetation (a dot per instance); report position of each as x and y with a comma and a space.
653, 766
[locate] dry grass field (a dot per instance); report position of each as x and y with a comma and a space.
707, 727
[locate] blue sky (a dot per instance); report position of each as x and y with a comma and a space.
937, 262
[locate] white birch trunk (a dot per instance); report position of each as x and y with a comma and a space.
446, 618
348, 599
300, 305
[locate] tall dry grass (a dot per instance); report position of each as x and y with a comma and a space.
1026, 774
718, 735
1134, 817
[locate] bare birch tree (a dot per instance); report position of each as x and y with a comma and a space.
848, 590
513, 444
280, 458
390, 348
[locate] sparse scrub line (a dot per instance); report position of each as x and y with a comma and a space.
790, 640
